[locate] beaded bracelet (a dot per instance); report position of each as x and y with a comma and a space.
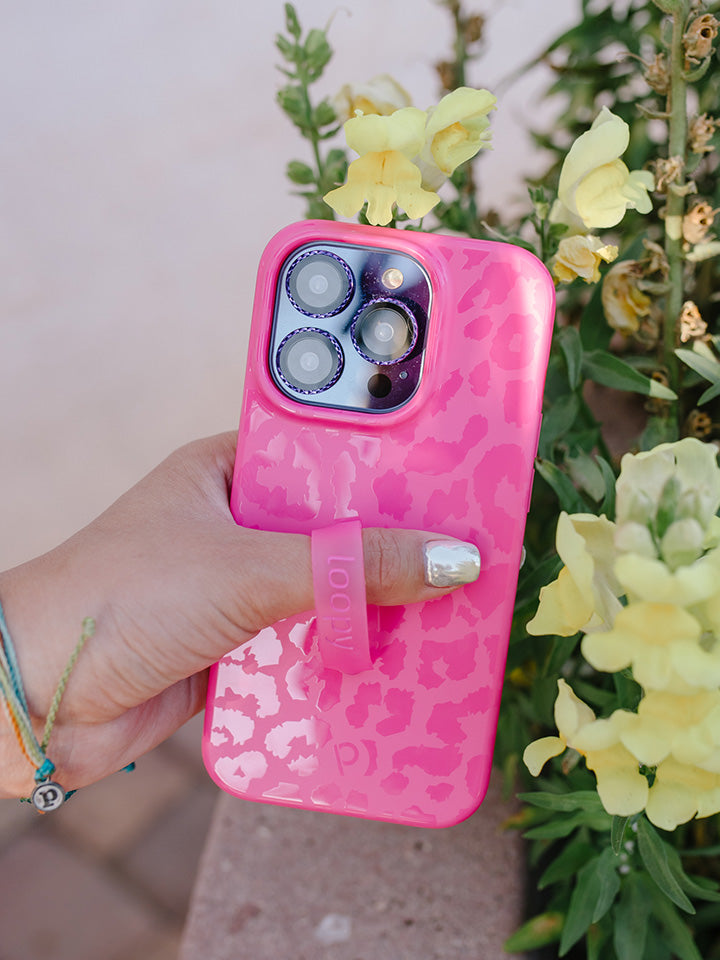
47, 795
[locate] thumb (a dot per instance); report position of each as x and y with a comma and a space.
401, 566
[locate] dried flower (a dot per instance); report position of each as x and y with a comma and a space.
382, 95
447, 72
623, 301
657, 74
581, 256
699, 36
474, 28
698, 222
667, 171
692, 325
701, 131
699, 424
596, 188
657, 261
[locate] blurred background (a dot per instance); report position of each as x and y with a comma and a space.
142, 157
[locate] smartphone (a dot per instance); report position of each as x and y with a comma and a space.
397, 377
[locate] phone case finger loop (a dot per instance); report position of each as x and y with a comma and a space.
340, 600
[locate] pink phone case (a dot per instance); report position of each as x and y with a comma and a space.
410, 740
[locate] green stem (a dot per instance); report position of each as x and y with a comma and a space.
460, 45
310, 129
677, 147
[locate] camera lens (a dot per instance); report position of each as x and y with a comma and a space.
309, 360
319, 284
384, 331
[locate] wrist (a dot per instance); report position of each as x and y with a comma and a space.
26, 715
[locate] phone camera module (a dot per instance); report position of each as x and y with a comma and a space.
384, 331
309, 360
319, 284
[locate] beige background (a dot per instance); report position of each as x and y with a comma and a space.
141, 162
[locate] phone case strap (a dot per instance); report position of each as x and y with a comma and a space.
340, 600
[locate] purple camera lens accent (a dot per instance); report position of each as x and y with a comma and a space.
297, 368
310, 290
362, 331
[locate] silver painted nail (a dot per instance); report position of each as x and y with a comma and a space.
450, 563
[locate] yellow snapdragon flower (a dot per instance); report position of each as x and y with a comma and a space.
662, 556
596, 188
405, 156
690, 463
680, 792
571, 715
581, 256
457, 128
685, 727
661, 642
382, 95
585, 595
621, 787
384, 174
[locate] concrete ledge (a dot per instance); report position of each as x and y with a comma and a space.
282, 884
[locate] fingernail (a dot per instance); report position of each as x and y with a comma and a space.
450, 563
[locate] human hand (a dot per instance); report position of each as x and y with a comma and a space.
173, 584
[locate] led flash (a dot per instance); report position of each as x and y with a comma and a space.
392, 279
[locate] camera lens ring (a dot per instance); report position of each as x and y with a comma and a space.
284, 360
368, 309
340, 275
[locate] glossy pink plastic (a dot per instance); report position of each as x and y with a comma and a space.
340, 602
411, 739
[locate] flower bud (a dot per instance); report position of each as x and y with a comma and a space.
635, 538
682, 543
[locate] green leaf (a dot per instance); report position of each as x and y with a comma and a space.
559, 419
536, 933
594, 328
658, 430
654, 856
708, 368
564, 826
323, 114
298, 172
611, 371
594, 940
609, 883
566, 864
687, 883
586, 800
630, 919
593, 894
571, 346
292, 24
317, 51
709, 394
617, 834
608, 505
532, 580
676, 933
570, 499
586, 474
667, 6
287, 49
293, 102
